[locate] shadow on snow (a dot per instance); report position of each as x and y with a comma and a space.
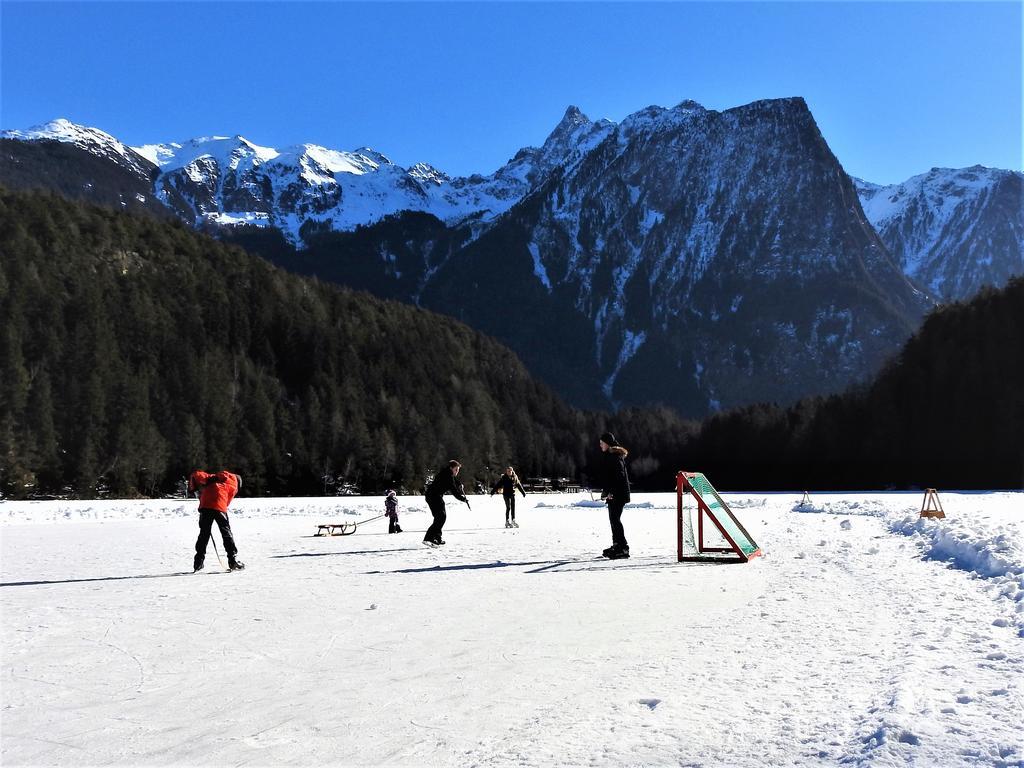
106, 578
550, 566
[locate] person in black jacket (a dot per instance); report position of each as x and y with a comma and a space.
615, 492
507, 484
445, 481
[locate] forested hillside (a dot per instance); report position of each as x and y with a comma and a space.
78, 174
133, 350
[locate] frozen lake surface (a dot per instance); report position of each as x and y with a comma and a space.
864, 636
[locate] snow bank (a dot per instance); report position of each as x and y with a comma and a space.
991, 549
568, 504
29, 512
982, 533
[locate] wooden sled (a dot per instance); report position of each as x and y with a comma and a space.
336, 529
342, 529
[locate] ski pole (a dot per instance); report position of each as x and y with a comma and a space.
215, 550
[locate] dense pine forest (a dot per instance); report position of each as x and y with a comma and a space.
133, 350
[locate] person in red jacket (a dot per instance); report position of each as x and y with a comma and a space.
215, 494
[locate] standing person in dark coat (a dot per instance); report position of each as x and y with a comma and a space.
615, 492
216, 491
507, 484
445, 481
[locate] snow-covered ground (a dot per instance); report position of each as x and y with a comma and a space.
863, 636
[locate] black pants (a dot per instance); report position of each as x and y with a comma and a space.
437, 510
207, 517
393, 526
510, 505
615, 518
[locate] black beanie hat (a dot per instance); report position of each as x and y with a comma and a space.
608, 437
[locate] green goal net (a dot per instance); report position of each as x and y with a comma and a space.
708, 530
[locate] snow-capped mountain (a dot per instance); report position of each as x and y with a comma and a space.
81, 164
952, 230
231, 180
703, 259
92, 140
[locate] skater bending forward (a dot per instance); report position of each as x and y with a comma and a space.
615, 492
216, 492
445, 481
507, 484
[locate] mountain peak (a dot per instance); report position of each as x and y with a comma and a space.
84, 137
64, 130
426, 173
573, 123
784, 105
688, 105
575, 115
374, 155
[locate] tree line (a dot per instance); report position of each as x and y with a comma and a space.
133, 350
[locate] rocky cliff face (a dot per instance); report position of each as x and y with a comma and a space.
704, 259
952, 230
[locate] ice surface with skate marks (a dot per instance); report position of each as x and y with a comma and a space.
887, 641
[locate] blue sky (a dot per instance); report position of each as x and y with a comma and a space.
896, 87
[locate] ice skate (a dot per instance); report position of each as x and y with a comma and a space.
618, 553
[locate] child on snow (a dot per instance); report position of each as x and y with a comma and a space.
391, 512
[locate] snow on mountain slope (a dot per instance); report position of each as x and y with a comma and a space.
91, 139
225, 179
691, 240
210, 179
953, 230
231, 152
231, 179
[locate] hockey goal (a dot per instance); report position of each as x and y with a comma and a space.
707, 528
